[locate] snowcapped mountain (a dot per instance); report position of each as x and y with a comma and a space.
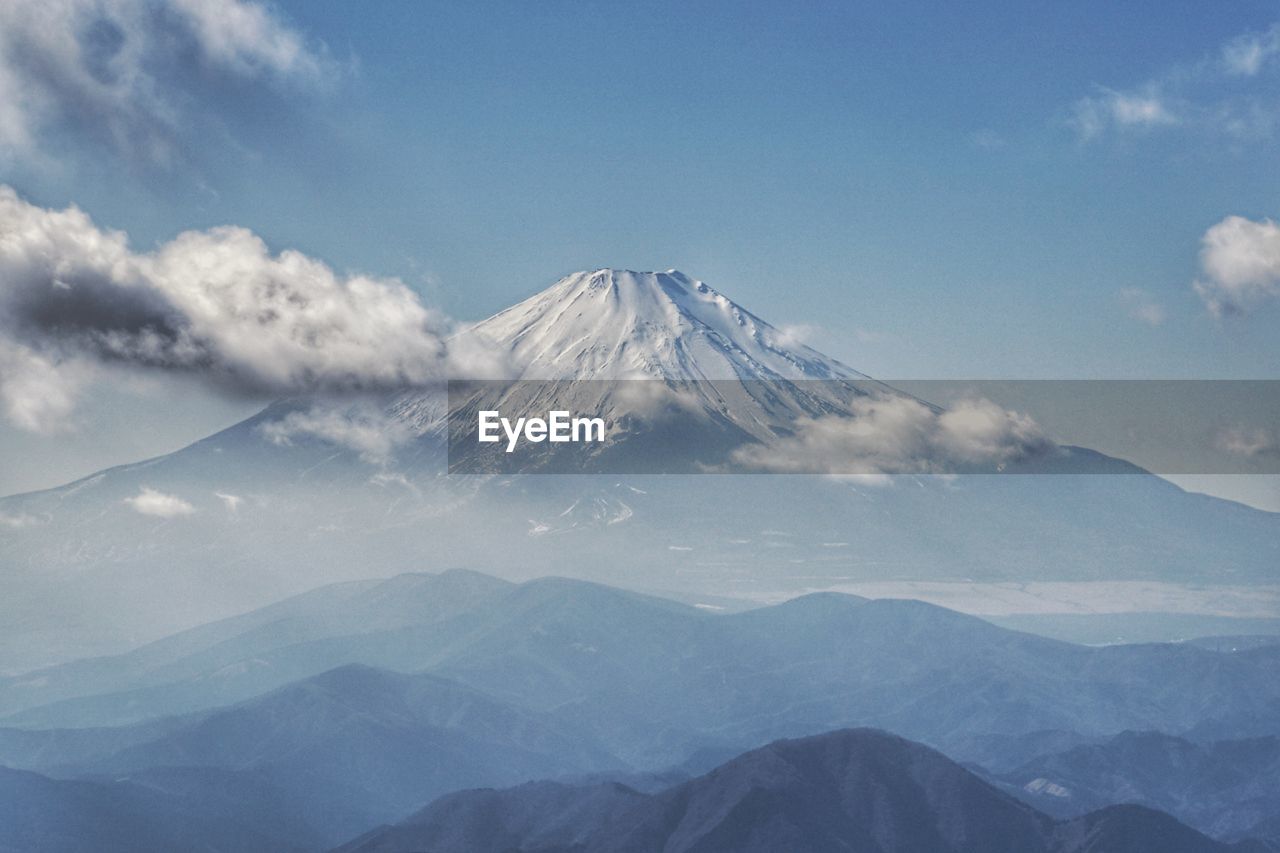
618, 324
587, 342
309, 492
680, 373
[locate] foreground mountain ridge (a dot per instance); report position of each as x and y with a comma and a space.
502, 683
858, 789
1226, 788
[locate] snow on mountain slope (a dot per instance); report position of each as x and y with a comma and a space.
619, 324
717, 375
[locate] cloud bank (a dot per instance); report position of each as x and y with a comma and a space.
900, 435
216, 304
109, 70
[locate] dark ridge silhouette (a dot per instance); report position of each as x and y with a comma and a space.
856, 789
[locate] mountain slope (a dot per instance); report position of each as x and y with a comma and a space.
310, 492
1225, 788
619, 324
210, 812
556, 677
389, 623
653, 681
717, 376
847, 790
357, 746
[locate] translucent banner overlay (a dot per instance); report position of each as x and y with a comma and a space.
864, 427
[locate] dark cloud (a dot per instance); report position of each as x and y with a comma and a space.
216, 304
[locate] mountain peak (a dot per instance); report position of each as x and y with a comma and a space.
635, 288
623, 324
636, 277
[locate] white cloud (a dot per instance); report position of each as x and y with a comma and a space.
797, 334
872, 481
19, 521
1221, 94
646, 400
1113, 109
247, 39
900, 435
395, 478
231, 502
1240, 265
364, 429
151, 502
106, 70
987, 140
37, 394
1244, 119
1142, 306
1246, 55
1243, 441
216, 304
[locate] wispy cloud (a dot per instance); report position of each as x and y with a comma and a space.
987, 140
1248, 54
798, 334
18, 521
1249, 442
1142, 306
1223, 94
108, 71
217, 305
1094, 115
364, 429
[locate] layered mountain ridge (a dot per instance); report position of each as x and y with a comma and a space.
857, 789
312, 720
312, 492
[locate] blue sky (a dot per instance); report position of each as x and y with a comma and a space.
993, 190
